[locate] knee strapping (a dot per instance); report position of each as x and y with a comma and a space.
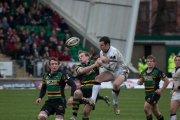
43, 115
58, 118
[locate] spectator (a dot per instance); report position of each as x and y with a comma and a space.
65, 56
67, 36
46, 51
4, 14
31, 38
38, 41
8, 9
30, 20
17, 17
41, 9
42, 36
37, 18
34, 49
2, 41
59, 52
171, 64
11, 49
12, 22
63, 26
1, 7
22, 17
17, 43
20, 8
54, 37
142, 65
23, 36
18, 2
48, 13
22, 53
12, 6
26, 9
5, 25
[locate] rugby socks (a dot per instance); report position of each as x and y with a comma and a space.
115, 95
173, 117
149, 117
100, 97
95, 91
75, 107
160, 117
85, 118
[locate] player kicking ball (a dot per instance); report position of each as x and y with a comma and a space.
115, 69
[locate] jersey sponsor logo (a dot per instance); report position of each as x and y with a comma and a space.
51, 82
148, 78
60, 108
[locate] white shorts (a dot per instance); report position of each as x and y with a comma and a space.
116, 72
176, 96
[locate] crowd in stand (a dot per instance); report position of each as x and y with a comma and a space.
19, 38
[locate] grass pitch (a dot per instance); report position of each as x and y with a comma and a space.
20, 105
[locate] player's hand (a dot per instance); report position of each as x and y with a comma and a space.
172, 91
175, 88
158, 91
104, 59
98, 62
38, 101
70, 100
139, 82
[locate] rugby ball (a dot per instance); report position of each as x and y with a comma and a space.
72, 42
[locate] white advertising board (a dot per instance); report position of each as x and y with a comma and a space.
132, 84
6, 68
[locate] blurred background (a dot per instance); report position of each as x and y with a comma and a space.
31, 31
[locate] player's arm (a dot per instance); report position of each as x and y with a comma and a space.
42, 92
165, 84
80, 70
71, 83
110, 65
140, 81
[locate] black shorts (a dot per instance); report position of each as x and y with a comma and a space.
152, 99
52, 106
87, 93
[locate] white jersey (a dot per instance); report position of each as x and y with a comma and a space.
176, 78
114, 55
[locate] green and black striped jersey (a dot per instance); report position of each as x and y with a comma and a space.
54, 85
87, 80
151, 80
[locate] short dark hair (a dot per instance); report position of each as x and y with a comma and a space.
53, 58
86, 53
151, 57
106, 40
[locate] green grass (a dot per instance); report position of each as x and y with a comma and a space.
20, 105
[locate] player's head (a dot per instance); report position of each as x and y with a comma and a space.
53, 64
83, 56
177, 61
151, 60
104, 43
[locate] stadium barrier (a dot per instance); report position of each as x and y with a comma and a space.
36, 83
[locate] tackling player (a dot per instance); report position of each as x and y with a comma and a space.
54, 82
151, 78
115, 71
175, 101
87, 71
